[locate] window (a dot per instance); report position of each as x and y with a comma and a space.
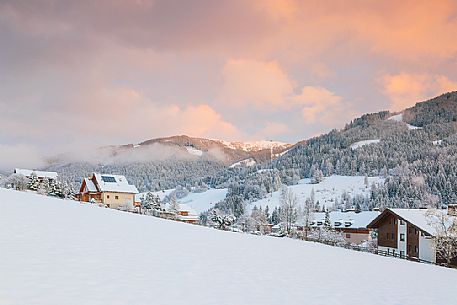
402, 237
116, 197
348, 235
108, 179
107, 196
402, 253
402, 223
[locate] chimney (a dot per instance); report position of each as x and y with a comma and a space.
452, 209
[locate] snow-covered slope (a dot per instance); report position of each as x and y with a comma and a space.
246, 162
200, 202
399, 118
363, 143
56, 252
325, 192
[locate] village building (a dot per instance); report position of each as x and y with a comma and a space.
406, 233
187, 214
114, 191
352, 225
41, 175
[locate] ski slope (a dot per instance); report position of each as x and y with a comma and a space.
325, 192
56, 252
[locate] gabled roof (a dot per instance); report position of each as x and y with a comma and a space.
114, 183
90, 186
40, 174
416, 217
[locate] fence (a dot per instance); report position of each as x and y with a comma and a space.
373, 251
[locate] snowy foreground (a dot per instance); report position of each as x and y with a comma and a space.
62, 252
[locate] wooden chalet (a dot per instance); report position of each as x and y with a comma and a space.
114, 191
406, 233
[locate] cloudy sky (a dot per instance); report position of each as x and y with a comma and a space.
85, 73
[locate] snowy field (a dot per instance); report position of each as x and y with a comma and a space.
201, 202
56, 252
325, 192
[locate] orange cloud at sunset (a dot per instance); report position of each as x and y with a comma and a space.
404, 90
277, 69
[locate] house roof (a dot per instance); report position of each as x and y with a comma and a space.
90, 186
186, 208
40, 174
416, 217
348, 220
114, 183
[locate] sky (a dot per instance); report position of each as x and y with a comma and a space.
81, 74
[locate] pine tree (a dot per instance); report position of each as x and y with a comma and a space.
327, 223
33, 182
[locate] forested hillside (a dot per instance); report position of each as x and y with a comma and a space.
416, 152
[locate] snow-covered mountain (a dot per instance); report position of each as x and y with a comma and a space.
62, 252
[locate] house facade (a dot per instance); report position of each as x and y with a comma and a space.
353, 225
114, 191
406, 233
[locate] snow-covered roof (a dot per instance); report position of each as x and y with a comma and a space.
40, 174
349, 220
90, 186
188, 217
417, 217
114, 183
186, 208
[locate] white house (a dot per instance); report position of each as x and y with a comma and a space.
41, 175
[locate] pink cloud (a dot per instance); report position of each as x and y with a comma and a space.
406, 89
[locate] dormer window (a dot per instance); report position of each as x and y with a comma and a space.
337, 223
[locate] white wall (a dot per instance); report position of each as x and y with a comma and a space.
426, 249
402, 244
